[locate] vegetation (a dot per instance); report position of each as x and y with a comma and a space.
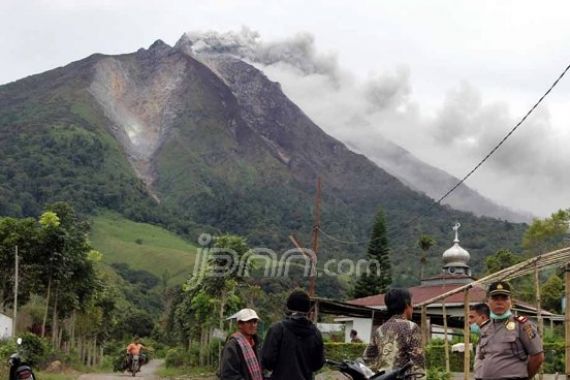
378, 276
142, 246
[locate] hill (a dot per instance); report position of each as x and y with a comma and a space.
143, 247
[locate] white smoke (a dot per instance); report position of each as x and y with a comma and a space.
528, 173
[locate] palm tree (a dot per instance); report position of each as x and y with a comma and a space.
425, 243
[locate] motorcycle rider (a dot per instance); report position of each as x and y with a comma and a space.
134, 348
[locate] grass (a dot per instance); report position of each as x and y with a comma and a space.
142, 246
205, 373
57, 376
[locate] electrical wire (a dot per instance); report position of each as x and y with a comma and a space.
495, 148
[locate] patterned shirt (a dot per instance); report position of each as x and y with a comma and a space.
394, 344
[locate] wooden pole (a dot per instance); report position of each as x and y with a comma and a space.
16, 282
424, 326
540, 322
445, 342
466, 335
315, 240
567, 320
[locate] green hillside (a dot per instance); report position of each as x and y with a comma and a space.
142, 246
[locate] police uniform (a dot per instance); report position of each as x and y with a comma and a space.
506, 344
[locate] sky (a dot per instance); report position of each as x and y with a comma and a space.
446, 80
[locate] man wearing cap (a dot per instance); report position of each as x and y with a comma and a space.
293, 348
510, 347
240, 357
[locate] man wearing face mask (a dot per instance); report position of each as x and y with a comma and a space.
478, 317
510, 347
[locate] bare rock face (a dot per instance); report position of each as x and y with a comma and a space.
140, 99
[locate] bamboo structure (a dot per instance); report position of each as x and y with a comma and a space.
557, 258
445, 342
425, 332
466, 336
567, 320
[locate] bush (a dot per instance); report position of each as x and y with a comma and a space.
435, 373
34, 349
344, 351
554, 357
176, 357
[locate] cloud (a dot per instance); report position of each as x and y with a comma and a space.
529, 172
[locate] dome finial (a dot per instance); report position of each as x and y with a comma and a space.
456, 229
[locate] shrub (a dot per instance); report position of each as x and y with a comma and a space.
34, 349
435, 373
176, 357
343, 351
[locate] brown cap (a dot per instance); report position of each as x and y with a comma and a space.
499, 287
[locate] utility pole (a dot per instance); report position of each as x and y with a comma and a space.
315, 240
14, 323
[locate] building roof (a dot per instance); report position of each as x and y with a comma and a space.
424, 292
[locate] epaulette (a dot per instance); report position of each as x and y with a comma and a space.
521, 319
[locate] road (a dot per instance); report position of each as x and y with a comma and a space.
148, 372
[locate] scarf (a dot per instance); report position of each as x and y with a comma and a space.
251, 361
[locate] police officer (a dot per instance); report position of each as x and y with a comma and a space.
510, 347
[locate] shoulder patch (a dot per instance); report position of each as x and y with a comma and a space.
521, 319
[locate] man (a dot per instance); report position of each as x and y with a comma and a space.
397, 341
293, 348
354, 338
510, 347
240, 357
478, 317
134, 349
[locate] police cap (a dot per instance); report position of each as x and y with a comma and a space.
499, 287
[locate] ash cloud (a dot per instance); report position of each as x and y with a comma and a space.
298, 52
529, 172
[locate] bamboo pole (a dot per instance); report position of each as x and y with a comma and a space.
466, 335
445, 342
16, 284
567, 320
540, 322
424, 326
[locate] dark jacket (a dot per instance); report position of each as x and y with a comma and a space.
232, 365
293, 349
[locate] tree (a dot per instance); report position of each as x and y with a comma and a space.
501, 260
548, 233
552, 292
376, 281
425, 243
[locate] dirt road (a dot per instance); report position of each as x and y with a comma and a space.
148, 372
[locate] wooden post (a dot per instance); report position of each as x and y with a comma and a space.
540, 322
424, 326
445, 342
16, 281
315, 241
466, 335
567, 320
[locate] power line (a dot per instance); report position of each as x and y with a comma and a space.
495, 148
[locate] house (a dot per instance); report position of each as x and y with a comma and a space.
5, 326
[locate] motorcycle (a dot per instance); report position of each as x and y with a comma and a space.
357, 370
135, 364
20, 370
